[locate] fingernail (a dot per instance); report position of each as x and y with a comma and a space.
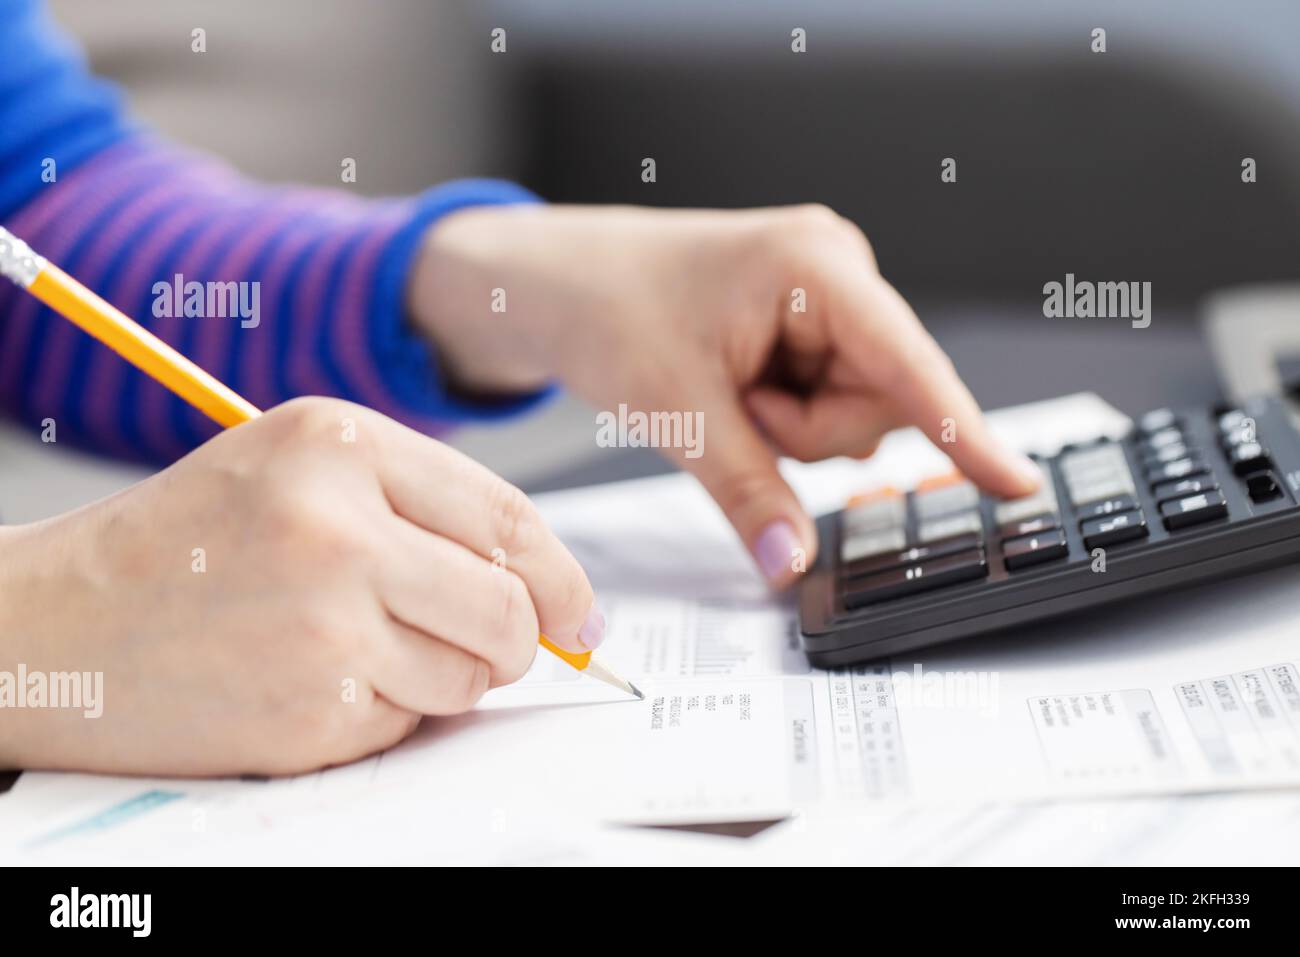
775, 548
592, 632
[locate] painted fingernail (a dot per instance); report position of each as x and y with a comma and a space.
592, 632
775, 549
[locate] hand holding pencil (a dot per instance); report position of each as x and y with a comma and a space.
287, 596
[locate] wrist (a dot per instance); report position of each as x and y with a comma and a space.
471, 298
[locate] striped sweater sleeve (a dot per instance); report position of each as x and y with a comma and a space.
322, 274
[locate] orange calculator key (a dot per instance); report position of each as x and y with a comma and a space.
873, 495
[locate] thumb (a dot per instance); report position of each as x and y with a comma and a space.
738, 469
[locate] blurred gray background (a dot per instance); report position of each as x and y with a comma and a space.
1117, 166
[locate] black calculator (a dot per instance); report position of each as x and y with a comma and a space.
1187, 496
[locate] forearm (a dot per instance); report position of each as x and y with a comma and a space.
280, 291
318, 304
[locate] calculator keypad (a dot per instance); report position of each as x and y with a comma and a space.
894, 544
946, 547
874, 525
1181, 495
916, 577
1103, 491
1184, 487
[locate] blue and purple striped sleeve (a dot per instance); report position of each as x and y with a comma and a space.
135, 218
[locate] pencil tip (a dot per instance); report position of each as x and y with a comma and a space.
636, 691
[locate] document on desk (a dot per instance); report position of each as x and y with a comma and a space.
1169, 697
1179, 693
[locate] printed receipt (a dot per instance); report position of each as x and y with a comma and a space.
864, 723
1113, 735
1247, 723
707, 752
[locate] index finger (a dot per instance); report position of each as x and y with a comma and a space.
880, 336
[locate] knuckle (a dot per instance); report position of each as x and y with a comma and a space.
859, 241
514, 519
813, 231
817, 217
312, 527
741, 487
315, 421
342, 544
302, 417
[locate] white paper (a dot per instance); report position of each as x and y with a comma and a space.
1179, 693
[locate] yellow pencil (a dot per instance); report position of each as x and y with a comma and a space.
138, 346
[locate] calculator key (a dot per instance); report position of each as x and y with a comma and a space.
1108, 506
963, 523
1108, 456
1033, 549
876, 515
1263, 487
1098, 473
1097, 491
1113, 529
1237, 437
1176, 470
1232, 420
910, 579
1157, 420
1153, 458
1194, 509
878, 494
1164, 438
858, 545
1041, 502
1039, 523
1091, 476
1249, 457
945, 499
935, 483
910, 556
1180, 488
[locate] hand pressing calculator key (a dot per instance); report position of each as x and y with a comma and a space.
1185, 497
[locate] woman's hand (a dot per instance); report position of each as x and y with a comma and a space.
295, 593
773, 326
